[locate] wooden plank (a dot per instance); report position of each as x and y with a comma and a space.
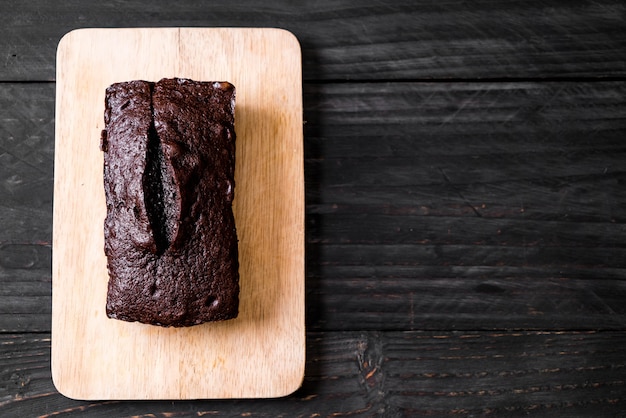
385, 229
586, 199
549, 151
377, 373
259, 354
372, 300
372, 40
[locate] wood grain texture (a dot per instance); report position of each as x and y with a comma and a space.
26, 162
261, 352
379, 374
369, 40
466, 205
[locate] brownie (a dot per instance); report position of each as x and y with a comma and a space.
170, 237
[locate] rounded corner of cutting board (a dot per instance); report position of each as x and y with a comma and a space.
289, 38
68, 38
60, 385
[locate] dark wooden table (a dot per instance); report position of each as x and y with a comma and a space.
465, 168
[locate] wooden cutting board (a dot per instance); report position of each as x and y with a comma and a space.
262, 352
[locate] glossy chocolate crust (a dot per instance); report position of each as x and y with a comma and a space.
170, 238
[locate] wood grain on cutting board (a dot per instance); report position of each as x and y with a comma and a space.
259, 354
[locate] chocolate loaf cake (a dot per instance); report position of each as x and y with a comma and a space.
170, 237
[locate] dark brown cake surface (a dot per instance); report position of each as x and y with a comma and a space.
170, 237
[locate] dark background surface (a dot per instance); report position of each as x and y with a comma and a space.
465, 205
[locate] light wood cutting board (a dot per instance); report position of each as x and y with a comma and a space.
262, 352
